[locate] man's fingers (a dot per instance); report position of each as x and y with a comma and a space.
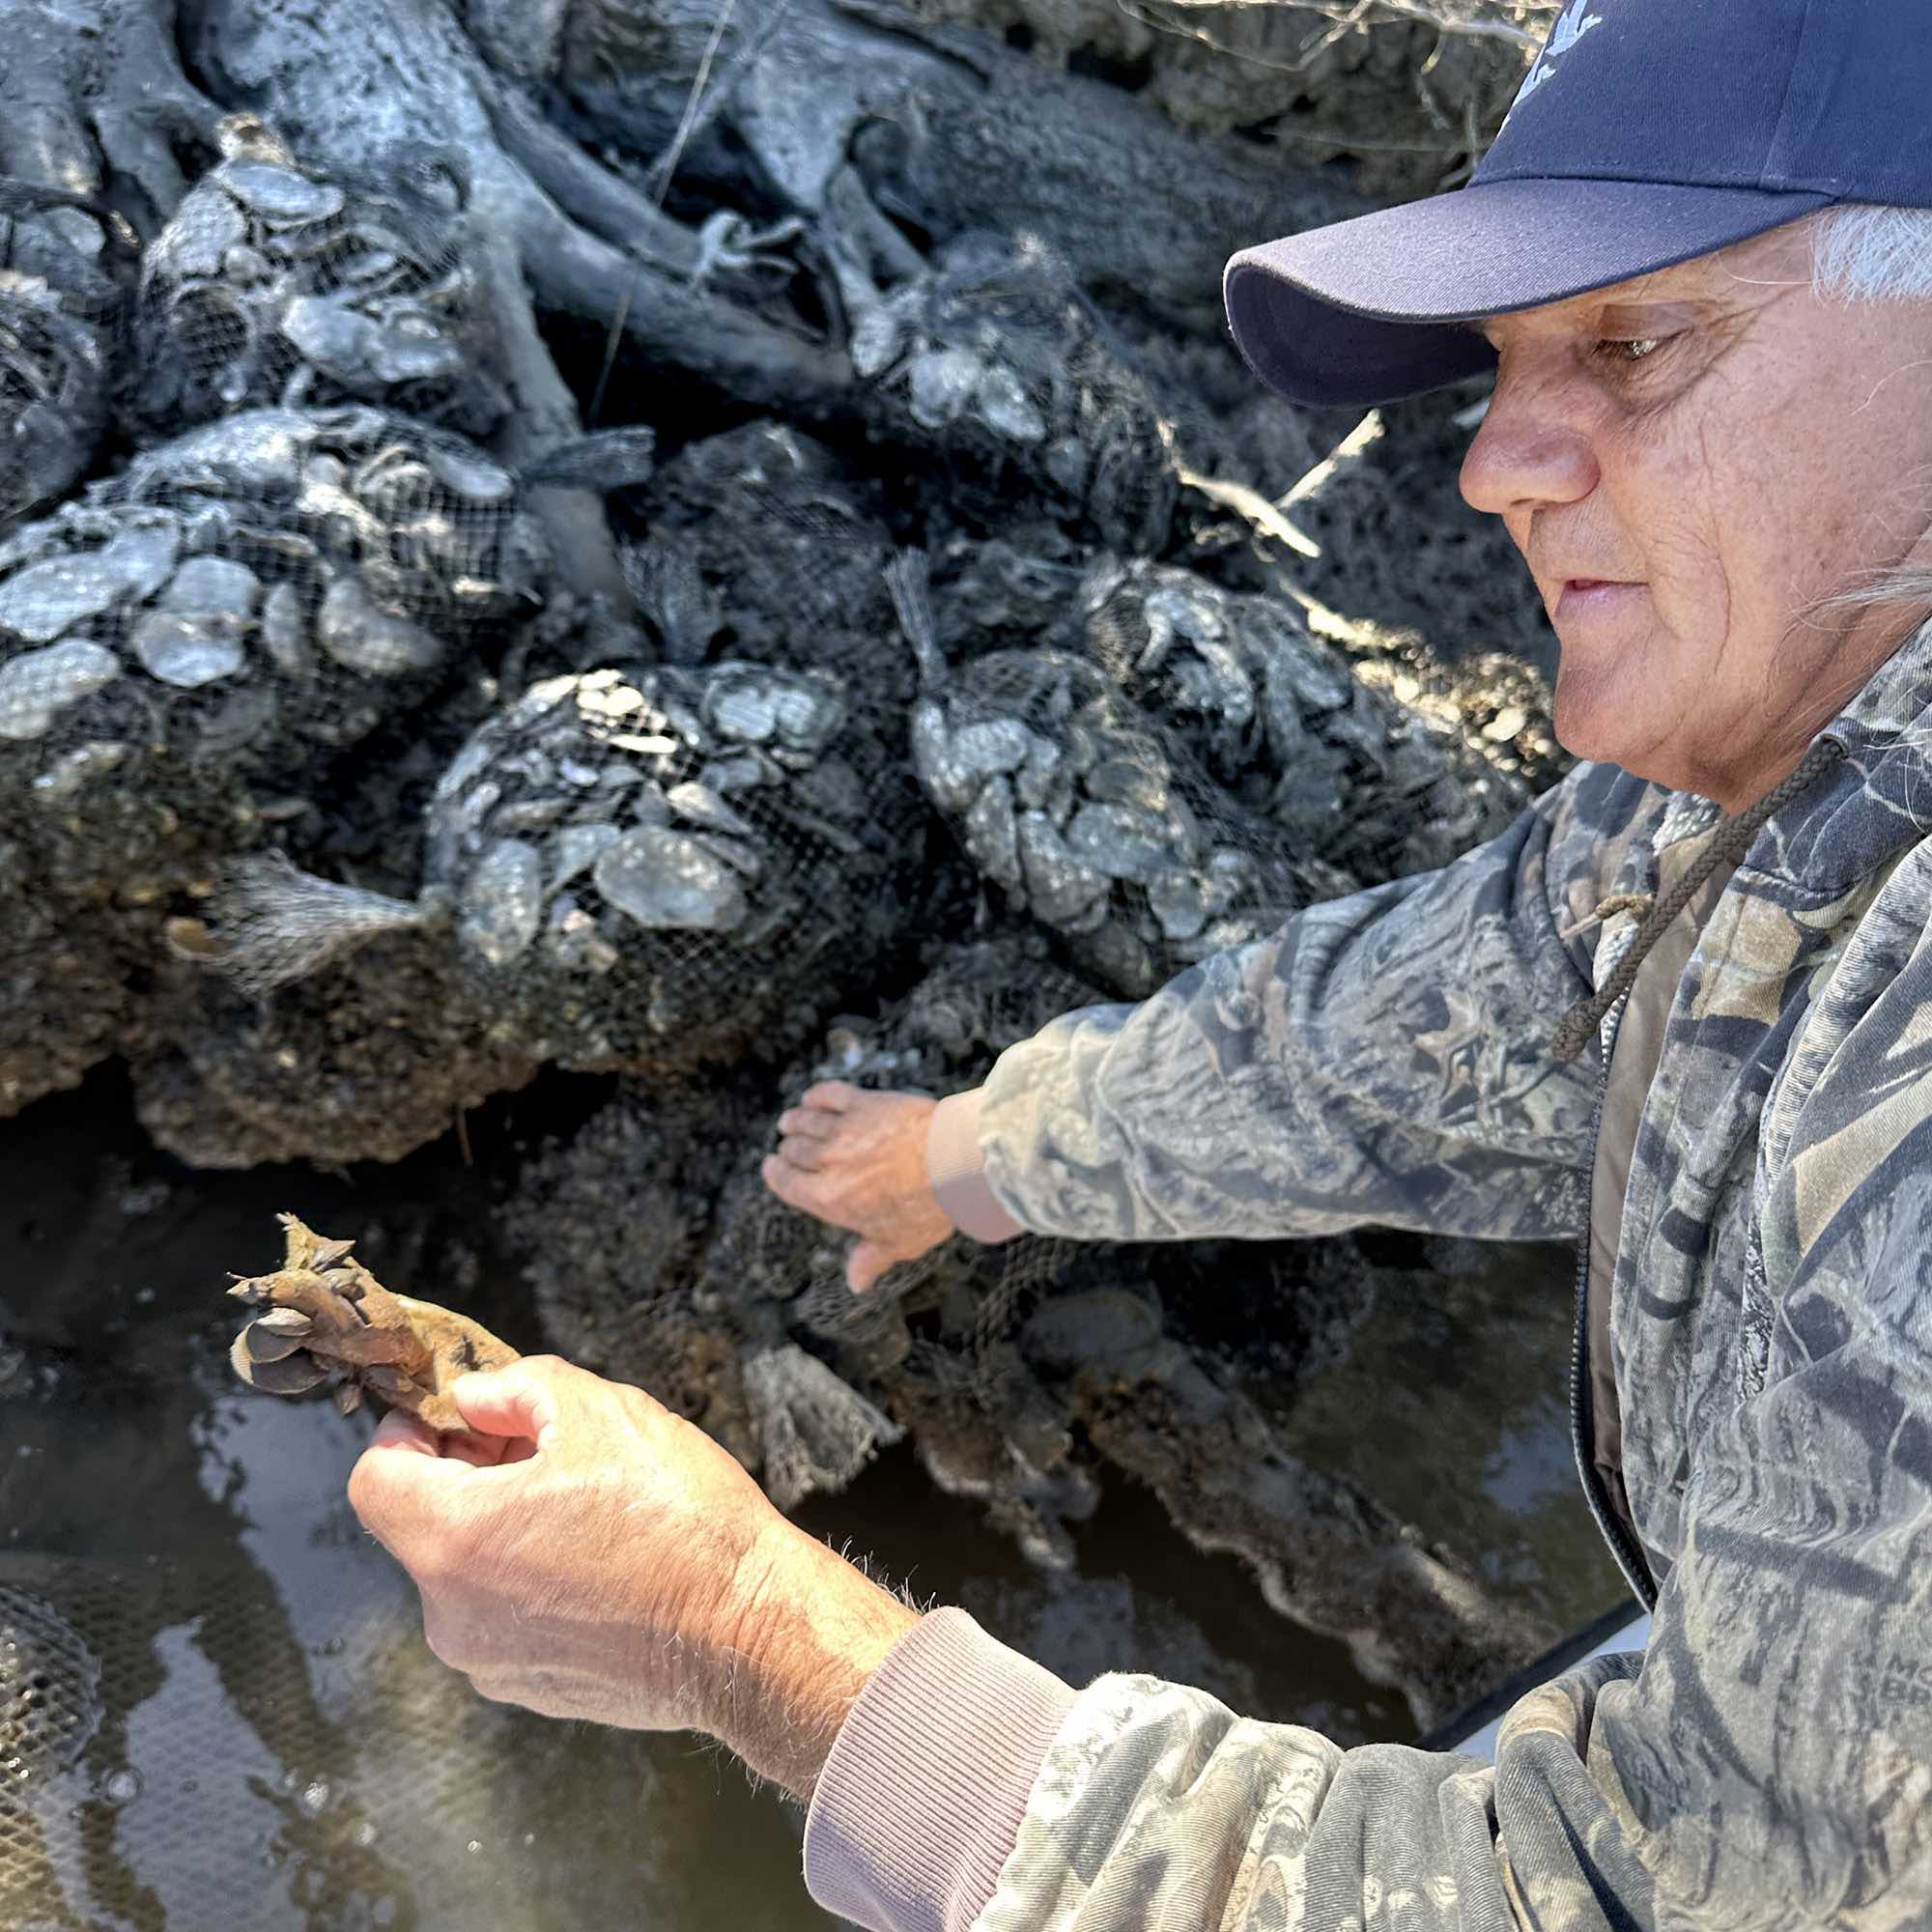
399, 1483
480, 1452
794, 1186
831, 1097
808, 1155
400, 1430
812, 1124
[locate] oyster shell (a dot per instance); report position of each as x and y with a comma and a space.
667, 880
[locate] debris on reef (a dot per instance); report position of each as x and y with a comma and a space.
710, 553
327, 1318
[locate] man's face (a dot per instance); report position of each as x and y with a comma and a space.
1692, 463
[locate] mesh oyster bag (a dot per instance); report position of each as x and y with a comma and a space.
979, 997
1099, 820
1351, 776
640, 869
271, 285
762, 545
654, 868
208, 630
994, 355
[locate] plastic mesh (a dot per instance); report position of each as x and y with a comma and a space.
963, 1300
436, 530
652, 868
273, 286
996, 357
1351, 776
612, 1222
49, 1690
277, 1749
764, 546
196, 641
1099, 820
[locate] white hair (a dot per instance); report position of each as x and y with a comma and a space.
1869, 254
1865, 253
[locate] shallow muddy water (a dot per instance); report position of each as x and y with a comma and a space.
251, 1732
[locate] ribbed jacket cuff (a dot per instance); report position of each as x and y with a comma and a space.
920, 1799
957, 1171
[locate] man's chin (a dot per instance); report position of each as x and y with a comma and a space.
1593, 720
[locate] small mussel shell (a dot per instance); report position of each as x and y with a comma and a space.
263, 1345
296, 1376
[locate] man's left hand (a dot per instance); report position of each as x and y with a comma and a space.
587, 1553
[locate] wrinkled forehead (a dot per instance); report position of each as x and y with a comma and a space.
1740, 276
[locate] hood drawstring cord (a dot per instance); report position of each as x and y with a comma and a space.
1735, 838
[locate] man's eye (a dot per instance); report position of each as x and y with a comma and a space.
1627, 348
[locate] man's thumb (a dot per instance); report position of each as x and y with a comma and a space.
865, 1265
512, 1402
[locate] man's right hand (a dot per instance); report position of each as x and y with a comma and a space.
858, 1161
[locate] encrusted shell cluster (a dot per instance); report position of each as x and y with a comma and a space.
236, 608
1087, 815
273, 286
434, 531
995, 352
647, 863
1347, 776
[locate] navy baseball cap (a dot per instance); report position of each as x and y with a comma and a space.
1648, 132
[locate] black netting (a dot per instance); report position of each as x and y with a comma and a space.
49, 1691
1282, 722
612, 1224
947, 1319
763, 545
1099, 819
995, 356
651, 866
272, 286
188, 648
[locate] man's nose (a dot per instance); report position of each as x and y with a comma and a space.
1532, 451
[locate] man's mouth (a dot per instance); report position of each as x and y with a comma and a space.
1585, 597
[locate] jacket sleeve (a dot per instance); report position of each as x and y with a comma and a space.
1765, 1766
1381, 1059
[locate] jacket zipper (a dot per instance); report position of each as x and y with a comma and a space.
1582, 1427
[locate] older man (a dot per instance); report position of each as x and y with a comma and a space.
1697, 1043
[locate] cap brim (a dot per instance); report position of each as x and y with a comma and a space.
1369, 311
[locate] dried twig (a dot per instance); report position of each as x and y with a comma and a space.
1520, 23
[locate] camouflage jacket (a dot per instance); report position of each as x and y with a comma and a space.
1764, 1203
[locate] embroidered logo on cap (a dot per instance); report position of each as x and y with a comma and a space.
1570, 27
